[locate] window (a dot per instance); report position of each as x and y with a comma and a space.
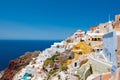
95, 39
110, 57
80, 53
97, 32
89, 44
99, 39
81, 40
70, 57
75, 64
97, 50
93, 50
58, 46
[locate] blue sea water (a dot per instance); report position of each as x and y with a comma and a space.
12, 49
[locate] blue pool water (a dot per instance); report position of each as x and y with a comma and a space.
11, 49
25, 77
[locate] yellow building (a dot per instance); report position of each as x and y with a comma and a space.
81, 48
76, 56
69, 62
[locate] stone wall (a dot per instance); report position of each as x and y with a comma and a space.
98, 66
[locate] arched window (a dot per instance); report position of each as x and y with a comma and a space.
95, 39
99, 39
75, 65
89, 44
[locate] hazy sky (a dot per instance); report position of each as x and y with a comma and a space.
52, 19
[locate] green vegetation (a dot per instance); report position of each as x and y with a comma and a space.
51, 61
47, 61
51, 73
91, 69
64, 67
54, 56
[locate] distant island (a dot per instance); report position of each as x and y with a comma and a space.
91, 55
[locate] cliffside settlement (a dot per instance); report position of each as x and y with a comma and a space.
91, 55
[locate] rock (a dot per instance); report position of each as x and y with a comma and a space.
17, 64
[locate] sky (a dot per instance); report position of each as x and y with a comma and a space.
52, 19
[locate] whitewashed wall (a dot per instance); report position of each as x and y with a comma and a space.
110, 46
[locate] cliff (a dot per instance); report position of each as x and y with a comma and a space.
17, 64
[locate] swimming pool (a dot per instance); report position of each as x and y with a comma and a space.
25, 77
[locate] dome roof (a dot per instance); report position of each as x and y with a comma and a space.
79, 30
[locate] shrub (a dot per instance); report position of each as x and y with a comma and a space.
54, 56
47, 61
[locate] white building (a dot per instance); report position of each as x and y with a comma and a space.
41, 58
58, 47
48, 53
78, 36
110, 47
70, 45
109, 27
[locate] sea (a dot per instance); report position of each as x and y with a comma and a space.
12, 49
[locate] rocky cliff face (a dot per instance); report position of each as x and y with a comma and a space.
17, 64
